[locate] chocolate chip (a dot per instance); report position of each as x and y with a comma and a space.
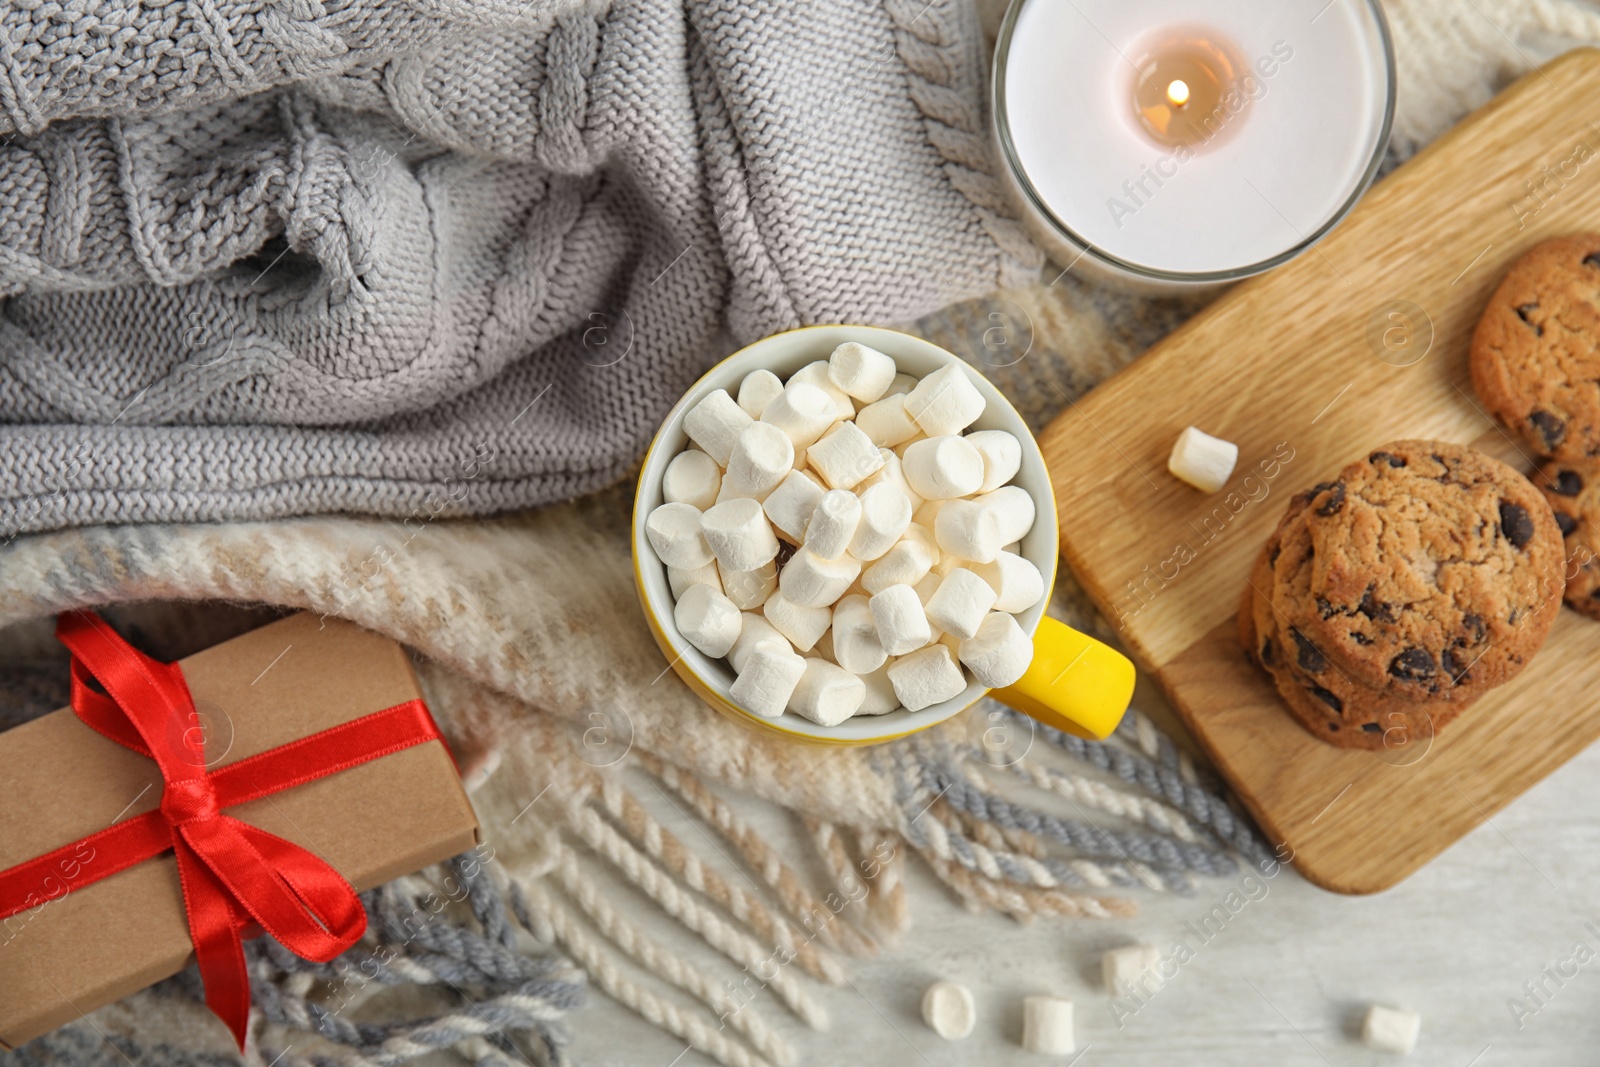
1371, 727
1567, 523
1592, 259
1375, 609
1325, 609
1269, 654
1386, 457
1595, 595
1333, 727
1568, 483
1327, 698
1516, 523
1272, 557
1522, 313
1474, 625
1413, 665
1551, 428
1453, 666
1334, 500
1360, 638
1310, 656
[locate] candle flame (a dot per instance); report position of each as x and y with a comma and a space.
1178, 93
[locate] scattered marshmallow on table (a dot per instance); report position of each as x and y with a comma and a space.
885, 514
901, 621
791, 505
827, 694
926, 676
1390, 1029
738, 534
692, 478
802, 411
1017, 583
715, 424
863, 373
1002, 456
942, 468
676, 533
844, 456
833, 523
1047, 1026
680, 578
767, 680
961, 603
761, 458
856, 647
1124, 970
813, 582
749, 589
707, 620
1000, 652
948, 1010
801, 625
757, 391
1203, 461
755, 631
944, 402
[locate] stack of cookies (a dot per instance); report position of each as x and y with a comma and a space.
1536, 365
1389, 599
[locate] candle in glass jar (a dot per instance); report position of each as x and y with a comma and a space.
1176, 141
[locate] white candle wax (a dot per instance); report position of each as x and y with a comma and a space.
1313, 85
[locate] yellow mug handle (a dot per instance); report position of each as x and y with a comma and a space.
1075, 683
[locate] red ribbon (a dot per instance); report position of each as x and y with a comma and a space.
234, 876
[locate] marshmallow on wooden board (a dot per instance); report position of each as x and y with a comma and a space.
715, 423
833, 523
893, 472
749, 589
844, 456
926, 677
1124, 970
680, 578
903, 383
817, 374
1047, 1026
692, 478
791, 505
885, 514
802, 411
948, 1010
1203, 461
738, 534
945, 401
827, 694
904, 564
1390, 1029
901, 622
767, 680
1016, 582
757, 391
886, 423
943, 468
707, 620
810, 581
754, 631
864, 373
880, 698
998, 655
961, 603
856, 647
676, 533
1002, 457
761, 458
800, 625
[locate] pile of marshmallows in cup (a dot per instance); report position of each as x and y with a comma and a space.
903, 569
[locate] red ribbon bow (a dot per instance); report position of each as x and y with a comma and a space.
234, 876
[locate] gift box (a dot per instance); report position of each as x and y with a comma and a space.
317, 723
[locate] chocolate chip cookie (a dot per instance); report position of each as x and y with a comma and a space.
1536, 350
1573, 490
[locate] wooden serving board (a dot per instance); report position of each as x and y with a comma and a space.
1360, 341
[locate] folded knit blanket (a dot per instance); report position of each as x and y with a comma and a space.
448, 257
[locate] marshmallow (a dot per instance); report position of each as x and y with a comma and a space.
680, 578
675, 532
715, 424
692, 478
707, 620
1017, 583
1047, 1026
1002, 457
761, 458
942, 468
1203, 461
900, 449
948, 1010
945, 401
926, 677
802, 411
790, 506
901, 623
927, 516
894, 473
960, 604
800, 625
998, 655
810, 581
923, 536
885, 514
966, 529
767, 681
817, 374
864, 373
856, 647
886, 423
1015, 508
749, 589
755, 632
738, 534
1390, 1030
844, 456
833, 523
827, 694
903, 383
1130, 969
757, 391
904, 564
880, 698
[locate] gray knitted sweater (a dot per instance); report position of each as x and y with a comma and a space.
271, 257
